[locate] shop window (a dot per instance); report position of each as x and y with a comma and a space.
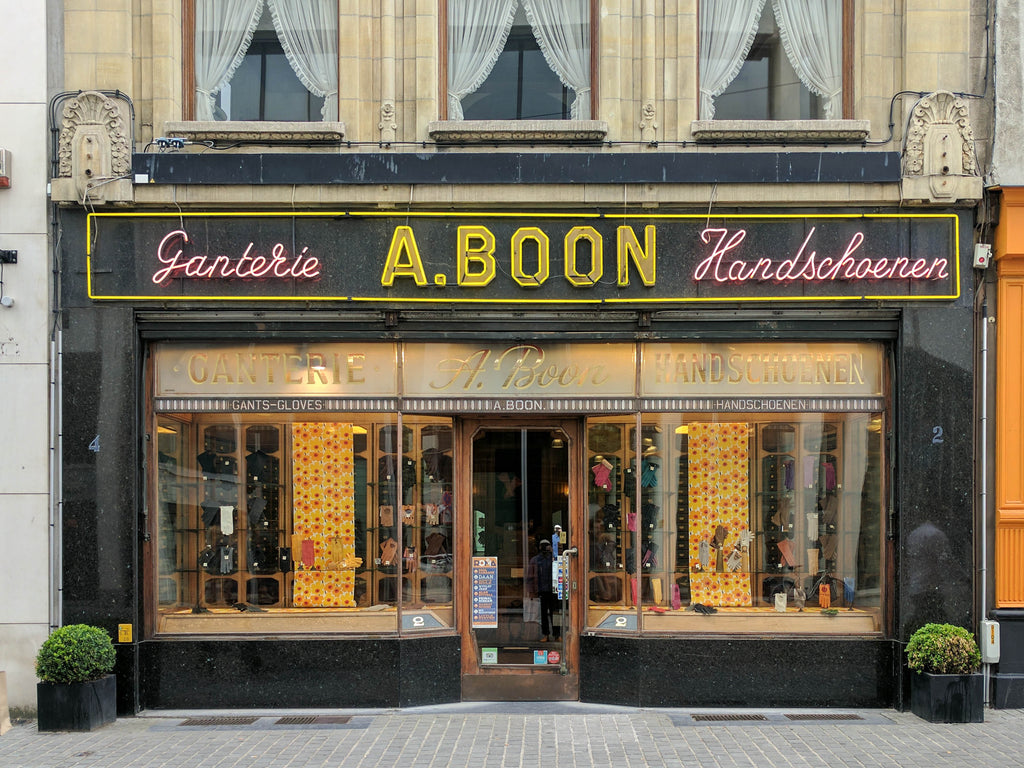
518, 59
264, 60
767, 523
772, 59
302, 523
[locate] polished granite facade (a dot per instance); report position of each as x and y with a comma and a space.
105, 523
739, 672
329, 673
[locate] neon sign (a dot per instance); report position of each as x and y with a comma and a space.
554, 259
808, 266
171, 254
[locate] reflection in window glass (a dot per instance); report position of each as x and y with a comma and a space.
265, 87
307, 522
792, 73
745, 516
613, 481
521, 86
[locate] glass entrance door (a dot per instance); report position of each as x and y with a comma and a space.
522, 560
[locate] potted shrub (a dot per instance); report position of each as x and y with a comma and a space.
77, 692
945, 686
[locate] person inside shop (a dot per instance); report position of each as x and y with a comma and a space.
539, 585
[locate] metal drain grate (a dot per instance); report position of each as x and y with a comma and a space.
313, 720
724, 718
209, 721
825, 716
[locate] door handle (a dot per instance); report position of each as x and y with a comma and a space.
571, 551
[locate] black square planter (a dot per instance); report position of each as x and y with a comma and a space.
77, 706
948, 698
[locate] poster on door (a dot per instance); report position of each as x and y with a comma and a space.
485, 592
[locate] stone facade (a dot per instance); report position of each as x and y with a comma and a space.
389, 93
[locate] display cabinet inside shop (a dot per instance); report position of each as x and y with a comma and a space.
275, 516
732, 516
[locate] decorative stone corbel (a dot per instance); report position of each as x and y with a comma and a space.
939, 164
93, 152
648, 123
388, 125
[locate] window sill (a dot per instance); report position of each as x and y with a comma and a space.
261, 132
517, 131
741, 621
780, 131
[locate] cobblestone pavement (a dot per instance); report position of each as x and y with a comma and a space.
508, 735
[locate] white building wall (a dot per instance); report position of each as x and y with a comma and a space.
24, 352
1008, 161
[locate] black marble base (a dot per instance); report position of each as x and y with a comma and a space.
346, 673
739, 672
1011, 640
1008, 691
1008, 674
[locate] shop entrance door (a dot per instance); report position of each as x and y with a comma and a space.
519, 567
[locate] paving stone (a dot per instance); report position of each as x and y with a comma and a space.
511, 736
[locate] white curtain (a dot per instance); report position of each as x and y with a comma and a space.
562, 29
727, 30
224, 30
308, 31
812, 34
477, 31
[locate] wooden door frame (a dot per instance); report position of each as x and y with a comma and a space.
466, 429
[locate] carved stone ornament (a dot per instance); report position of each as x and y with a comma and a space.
93, 152
518, 131
780, 131
267, 132
94, 110
938, 159
388, 126
648, 123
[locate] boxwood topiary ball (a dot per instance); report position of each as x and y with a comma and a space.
76, 653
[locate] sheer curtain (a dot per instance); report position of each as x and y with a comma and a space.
224, 31
562, 29
812, 34
727, 30
308, 30
308, 33
477, 31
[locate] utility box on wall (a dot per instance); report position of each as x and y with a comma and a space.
989, 641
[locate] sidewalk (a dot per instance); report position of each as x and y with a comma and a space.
510, 735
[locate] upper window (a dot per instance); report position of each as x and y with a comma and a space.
519, 59
778, 60
266, 60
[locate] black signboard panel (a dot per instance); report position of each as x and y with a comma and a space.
559, 259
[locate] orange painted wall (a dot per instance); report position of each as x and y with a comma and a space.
1009, 416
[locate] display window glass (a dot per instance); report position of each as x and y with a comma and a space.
737, 522
303, 523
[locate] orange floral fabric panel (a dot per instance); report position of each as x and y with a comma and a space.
323, 515
719, 479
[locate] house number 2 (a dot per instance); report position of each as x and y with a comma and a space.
937, 438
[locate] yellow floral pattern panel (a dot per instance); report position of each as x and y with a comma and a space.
719, 545
323, 515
